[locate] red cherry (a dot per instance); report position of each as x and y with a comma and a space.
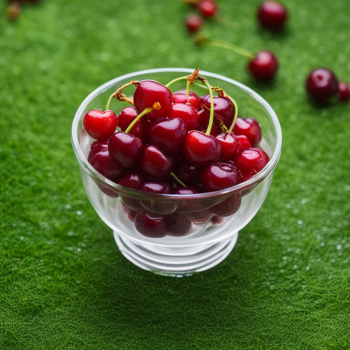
96, 147
272, 14
222, 106
204, 120
168, 135
147, 93
125, 148
100, 125
178, 225
344, 92
207, 8
150, 225
248, 127
201, 149
322, 84
132, 179
155, 163
250, 162
180, 97
187, 113
187, 206
199, 217
193, 22
218, 176
228, 207
229, 145
243, 143
187, 173
124, 119
264, 66
104, 164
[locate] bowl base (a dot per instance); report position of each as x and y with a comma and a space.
177, 262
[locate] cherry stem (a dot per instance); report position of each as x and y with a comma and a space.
202, 40
236, 113
145, 111
121, 97
176, 80
188, 90
211, 116
178, 180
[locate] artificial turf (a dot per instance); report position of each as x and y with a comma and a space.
64, 284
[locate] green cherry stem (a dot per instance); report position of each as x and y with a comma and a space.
211, 116
109, 101
121, 97
178, 180
176, 80
156, 107
236, 113
188, 90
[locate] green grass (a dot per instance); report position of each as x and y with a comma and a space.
64, 284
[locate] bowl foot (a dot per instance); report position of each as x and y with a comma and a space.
174, 261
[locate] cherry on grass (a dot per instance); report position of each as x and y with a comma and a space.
193, 22
344, 92
100, 125
207, 8
151, 225
180, 97
250, 128
187, 113
264, 65
272, 15
322, 84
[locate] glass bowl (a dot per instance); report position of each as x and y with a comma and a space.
201, 229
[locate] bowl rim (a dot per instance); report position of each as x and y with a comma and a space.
136, 193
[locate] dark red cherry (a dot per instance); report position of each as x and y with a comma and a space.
187, 173
180, 97
150, 225
243, 143
201, 149
156, 187
229, 145
207, 8
193, 22
147, 93
178, 225
250, 128
218, 176
228, 207
199, 217
100, 125
188, 206
187, 113
132, 179
155, 163
250, 162
344, 92
104, 164
129, 213
125, 148
203, 124
168, 135
264, 66
272, 15
124, 119
217, 220
222, 106
96, 147
322, 84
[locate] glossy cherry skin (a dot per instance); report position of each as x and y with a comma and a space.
187, 173
243, 143
193, 23
125, 149
105, 165
147, 93
201, 149
199, 217
96, 147
150, 225
156, 163
250, 128
187, 113
168, 135
229, 145
228, 207
207, 8
272, 15
132, 179
264, 66
180, 97
124, 119
322, 84
178, 225
344, 92
222, 106
218, 176
100, 125
250, 162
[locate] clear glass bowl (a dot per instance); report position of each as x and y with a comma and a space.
216, 217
